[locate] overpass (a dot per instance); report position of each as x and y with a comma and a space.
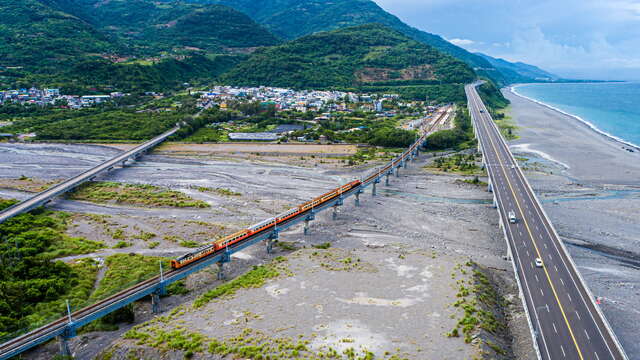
564, 319
46, 196
65, 327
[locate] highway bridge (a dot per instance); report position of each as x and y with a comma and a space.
65, 327
565, 321
47, 195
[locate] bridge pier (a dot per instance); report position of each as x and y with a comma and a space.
307, 220
225, 259
398, 171
357, 200
271, 240
373, 188
404, 163
386, 181
63, 340
156, 307
490, 186
339, 203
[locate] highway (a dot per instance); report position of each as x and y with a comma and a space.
46, 196
566, 323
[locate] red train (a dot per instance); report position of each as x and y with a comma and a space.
220, 244
223, 243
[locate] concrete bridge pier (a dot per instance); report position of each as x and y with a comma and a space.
156, 307
307, 220
404, 163
374, 188
339, 203
271, 240
357, 199
386, 181
63, 340
225, 259
398, 171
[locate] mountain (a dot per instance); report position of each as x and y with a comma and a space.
37, 37
519, 71
150, 27
370, 54
294, 18
132, 45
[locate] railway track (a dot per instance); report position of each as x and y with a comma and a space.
64, 325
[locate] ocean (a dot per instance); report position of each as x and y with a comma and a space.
612, 109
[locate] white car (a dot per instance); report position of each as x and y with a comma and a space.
539, 263
512, 217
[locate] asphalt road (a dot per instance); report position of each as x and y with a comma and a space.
566, 322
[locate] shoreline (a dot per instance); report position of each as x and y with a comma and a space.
512, 89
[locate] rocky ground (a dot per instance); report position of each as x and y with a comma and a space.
386, 285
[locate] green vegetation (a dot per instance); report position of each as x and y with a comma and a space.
295, 18
458, 163
189, 244
121, 245
124, 270
361, 55
506, 125
460, 137
323, 245
479, 303
250, 344
254, 278
220, 191
33, 286
135, 194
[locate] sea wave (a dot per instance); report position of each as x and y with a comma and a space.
585, 122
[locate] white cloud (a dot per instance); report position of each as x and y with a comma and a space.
462, 42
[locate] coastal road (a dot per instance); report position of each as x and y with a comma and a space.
566, 322
45, 196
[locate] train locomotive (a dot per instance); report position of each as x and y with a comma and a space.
223, 243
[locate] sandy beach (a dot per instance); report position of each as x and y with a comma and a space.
590, 187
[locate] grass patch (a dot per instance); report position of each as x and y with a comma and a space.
124, 270
458, 163
325, 245
505, 123
189, 244
134, 194
254, 278
219, 191
287, 246
121, 245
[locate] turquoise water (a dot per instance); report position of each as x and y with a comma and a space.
612, 108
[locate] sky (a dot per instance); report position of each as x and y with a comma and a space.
588, 39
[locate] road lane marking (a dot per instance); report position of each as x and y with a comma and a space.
554, 327
570, 299
541, 292
562, 281
547, 305
545, 246
586, 333
536, 247
537, 278
577, 313
556, 268
597, 357
563, 353
555, 238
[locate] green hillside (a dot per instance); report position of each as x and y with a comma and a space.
151, 27
294, 18
357, 56
38, 38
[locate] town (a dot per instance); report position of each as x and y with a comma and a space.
44, 97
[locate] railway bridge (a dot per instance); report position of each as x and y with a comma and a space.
65, 327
